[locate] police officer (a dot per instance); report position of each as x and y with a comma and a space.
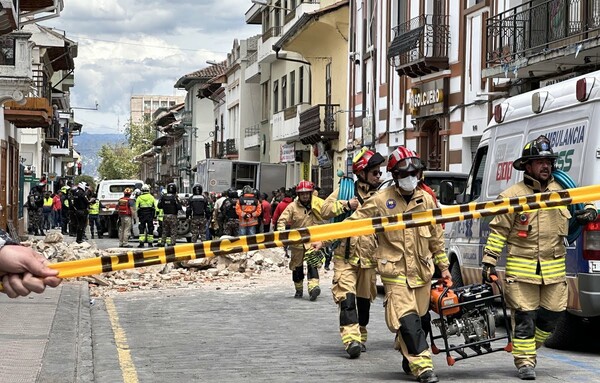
406, 259
81, 205
94, 216
303, 212
198, 212
535, 285
228, 215
35, 204
126, 211
171, 206
145, 206
354, 277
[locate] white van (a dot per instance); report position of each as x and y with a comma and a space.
108, 193
568, 113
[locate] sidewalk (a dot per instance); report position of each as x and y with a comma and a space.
47, 338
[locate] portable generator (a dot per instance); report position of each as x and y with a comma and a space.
469, 312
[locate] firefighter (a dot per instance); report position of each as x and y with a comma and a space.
535, 284
198, 212
406, 260
303, 212
171, 206
354, 276
126, 211
146, 210
228, 215
248, 210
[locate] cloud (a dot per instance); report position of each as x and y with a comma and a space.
130, 47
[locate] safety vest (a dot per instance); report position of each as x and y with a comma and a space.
48, 202
123, 206
95, 208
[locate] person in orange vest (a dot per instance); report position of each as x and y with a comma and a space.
248, 210
126, 210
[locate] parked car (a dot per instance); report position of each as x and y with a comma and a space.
446, 185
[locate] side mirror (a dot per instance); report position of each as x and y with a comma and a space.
447, 196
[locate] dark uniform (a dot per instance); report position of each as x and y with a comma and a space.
229, 216
81, 205
170, 205
198, 212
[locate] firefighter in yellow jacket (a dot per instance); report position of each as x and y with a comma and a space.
354, 275
535, 285
406, 260
303, 212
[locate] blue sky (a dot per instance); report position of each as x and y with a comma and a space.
131, 47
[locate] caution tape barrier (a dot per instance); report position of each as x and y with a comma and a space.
186, 252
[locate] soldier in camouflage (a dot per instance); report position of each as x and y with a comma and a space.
35, 203
171, 206
230, 218
198, 211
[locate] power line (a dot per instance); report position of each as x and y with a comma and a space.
145, 45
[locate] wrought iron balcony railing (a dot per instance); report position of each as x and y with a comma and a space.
535, 27
420, 46
318, 124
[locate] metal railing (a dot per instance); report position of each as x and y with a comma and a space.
252, 130
425, 36
271, 32
534, 27
230, 147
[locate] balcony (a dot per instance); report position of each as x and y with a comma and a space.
420, 46
231, 148
286, 123
15, 66
252, 137
252, 72
318, 124
266, 53
35, 113
52, 137
294, 15
541, 37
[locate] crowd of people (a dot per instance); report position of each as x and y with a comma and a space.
405, 260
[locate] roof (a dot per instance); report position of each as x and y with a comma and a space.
306, 19
202, 75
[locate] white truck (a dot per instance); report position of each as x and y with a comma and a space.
108, 193
216, 175
568, 113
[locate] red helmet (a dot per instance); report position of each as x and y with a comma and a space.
404, 159
305, 186
365, 159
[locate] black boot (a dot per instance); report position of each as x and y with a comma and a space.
353, 349
141, 244
527, 373
428, 377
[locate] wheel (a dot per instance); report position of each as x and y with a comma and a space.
456, 274
183, 227
571, 329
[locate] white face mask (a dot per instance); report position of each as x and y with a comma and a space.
408, 183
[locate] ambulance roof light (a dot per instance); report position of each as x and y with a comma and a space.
584, 88
500, 112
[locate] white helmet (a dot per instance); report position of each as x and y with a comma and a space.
82, 185
145, 188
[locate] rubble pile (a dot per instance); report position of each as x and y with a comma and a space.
241, 269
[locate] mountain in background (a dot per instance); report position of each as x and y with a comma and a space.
88, 145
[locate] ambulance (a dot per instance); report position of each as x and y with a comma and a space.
568, 113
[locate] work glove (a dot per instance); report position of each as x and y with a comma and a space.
487, 271
585, 216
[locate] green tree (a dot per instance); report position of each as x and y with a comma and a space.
117, 162
140, 136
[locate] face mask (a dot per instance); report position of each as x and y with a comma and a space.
408, 183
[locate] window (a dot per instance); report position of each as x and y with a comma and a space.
284, 92
292, 88
275, 96
301, 84
163, 104
171, 103
147, 104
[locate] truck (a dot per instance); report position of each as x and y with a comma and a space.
568, 113
216, 175
108, 193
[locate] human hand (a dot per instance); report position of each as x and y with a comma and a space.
316, 245
353, 203
25, 271
488, 273
586, 216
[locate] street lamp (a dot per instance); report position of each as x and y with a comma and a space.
264, 3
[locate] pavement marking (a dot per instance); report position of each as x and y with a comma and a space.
125, 361
567, 360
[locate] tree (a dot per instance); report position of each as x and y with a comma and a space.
117, 163
140, 136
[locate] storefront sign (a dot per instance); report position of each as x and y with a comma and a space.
427, 99
286, 153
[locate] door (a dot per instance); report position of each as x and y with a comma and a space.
5, 206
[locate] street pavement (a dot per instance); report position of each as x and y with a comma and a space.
250, 333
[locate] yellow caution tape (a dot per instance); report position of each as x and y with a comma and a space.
345, 229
